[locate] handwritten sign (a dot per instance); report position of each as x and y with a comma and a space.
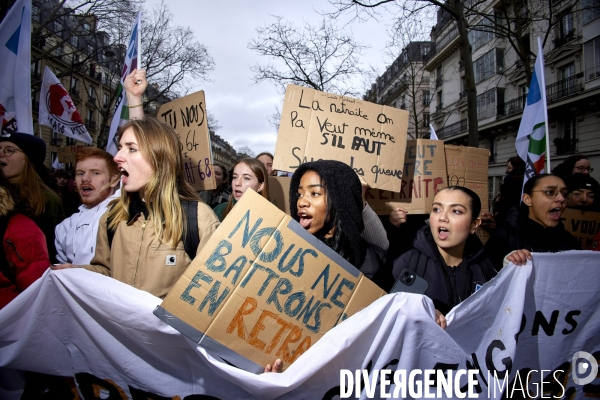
584, 225
468, 167
187, 116
264, 288
425, 168
369, 137
67, 154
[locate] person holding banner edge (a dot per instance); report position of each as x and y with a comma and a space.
456, 265
535, 226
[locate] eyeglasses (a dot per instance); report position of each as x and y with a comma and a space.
9, 151
551, 193
581, 169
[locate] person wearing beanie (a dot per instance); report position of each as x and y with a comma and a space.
582, 190
22, 166
325, 198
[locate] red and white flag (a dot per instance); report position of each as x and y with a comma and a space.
58, 111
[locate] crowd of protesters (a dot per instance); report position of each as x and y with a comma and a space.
104, 218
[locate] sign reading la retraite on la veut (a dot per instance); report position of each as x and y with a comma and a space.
369, 137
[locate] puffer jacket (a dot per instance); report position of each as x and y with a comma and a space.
138, 258
520, 232
448, 285
26, 256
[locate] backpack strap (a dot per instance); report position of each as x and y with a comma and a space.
418, 262
191, 241
192, 237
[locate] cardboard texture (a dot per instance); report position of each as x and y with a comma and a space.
187, 116
425, 175
584, 225
279, 192
67, 154
264, 288
369, 137
468, 167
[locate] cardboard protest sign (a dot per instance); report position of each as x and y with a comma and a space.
468, 167
369, 137
67, 154
482, 234
264, 288
425, 175
187, 116
584, 225
279, 192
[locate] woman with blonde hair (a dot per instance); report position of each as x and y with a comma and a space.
22, 165
248, 173
131, 246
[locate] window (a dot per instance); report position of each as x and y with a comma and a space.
567, 142
426, 120
591, 51
35, 69
486, 104
591, 10
439, 101
105, 100
92, 94
489, 64
566, 24
75, 86
481, 33
426, 97
73, 41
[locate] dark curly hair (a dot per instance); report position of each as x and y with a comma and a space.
344, 207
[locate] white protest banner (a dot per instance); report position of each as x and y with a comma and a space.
58, 111
15, 69
132, 61
529, 321
369, 137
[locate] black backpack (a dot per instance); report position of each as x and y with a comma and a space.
190, 241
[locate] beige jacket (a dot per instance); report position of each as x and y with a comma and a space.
138, 258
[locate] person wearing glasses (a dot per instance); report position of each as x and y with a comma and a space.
535, 226
575, 164
22, 166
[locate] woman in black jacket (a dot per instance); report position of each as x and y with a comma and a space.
536, 225
455, 264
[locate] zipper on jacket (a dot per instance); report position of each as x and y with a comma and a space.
139, 252
11, 244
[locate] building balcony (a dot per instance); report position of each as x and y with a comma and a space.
441, 42
453, 129
564, 38
515, 106
564, 88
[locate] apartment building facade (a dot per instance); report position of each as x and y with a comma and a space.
85, 63
572, 74
405, 85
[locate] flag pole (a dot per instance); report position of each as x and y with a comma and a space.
543, 92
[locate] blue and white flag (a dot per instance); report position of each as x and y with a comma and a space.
432, 136
15, 69
532, 140
132, 61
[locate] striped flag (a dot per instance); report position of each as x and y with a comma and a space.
532, 140
15, 69
132, 61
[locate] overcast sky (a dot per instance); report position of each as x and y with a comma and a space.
225, 27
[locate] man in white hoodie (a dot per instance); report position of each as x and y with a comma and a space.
96, 179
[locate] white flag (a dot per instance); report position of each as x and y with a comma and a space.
132, 61
532, 140
58, 111
15, 69
433, 136
57, 165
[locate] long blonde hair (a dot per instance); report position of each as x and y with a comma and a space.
163, 193
30, 190
258, 168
